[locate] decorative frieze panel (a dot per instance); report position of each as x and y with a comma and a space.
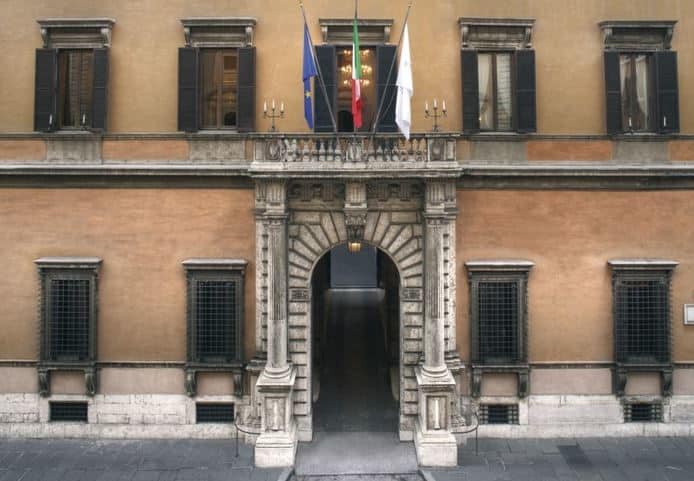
339, 31
219, 31
637, 35
76, 32
496, 33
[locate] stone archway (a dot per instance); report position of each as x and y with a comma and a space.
410, 221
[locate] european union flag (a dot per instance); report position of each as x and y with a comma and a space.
309, 71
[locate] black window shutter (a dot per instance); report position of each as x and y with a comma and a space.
245, 104
326, 56
100, 99
45, 86
525, 91
471, 101
613, 93
387, 90
188, 89
668, 94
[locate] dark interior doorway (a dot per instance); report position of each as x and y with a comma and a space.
355, 315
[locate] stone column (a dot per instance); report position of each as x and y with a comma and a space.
434, 442
276, 446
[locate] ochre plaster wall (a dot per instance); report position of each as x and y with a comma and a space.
570, 235
143, 82
142, 235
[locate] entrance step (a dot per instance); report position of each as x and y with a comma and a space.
360, 477
355, 453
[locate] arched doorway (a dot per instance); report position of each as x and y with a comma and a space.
355, 318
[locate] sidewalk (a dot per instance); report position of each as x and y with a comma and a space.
628, 459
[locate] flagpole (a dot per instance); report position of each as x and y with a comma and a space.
320, 73
356, 15
392, 66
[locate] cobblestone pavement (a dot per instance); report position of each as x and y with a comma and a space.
630, 459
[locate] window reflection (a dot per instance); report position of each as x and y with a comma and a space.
218, 87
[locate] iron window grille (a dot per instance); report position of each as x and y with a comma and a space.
215, 300
68, 317
499, 320
498, 414
68, 411
641, 412
214, 412
642, 319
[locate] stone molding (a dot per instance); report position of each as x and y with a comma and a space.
496, 33
637, 35
338, 31
76, 32
218, 31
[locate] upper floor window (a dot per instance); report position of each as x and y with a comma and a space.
216, 75
640, 77
377, 82
218, 88
71, 76
498, 72
641, 296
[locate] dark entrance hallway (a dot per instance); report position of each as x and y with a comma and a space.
356, 349
356, 358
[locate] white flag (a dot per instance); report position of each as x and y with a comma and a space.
403, 109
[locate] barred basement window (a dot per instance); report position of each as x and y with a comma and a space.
498, 414
68, 309
643, 412
214, 412
68, 411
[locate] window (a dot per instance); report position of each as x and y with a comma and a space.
68, 316
69, 411
218, 88
214, 413
498, 414
216, 75
334, 58
643, 412
640, 77
636, 86
215, 317
642, 311
498, 72
495, 91
75, 88
71, 76
498, 320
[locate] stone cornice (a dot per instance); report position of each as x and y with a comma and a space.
76, 32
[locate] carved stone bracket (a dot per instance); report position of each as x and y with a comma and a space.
522, 371
666, 377
90, 381
190, 382
44, 382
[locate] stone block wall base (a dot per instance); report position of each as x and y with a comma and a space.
435, 449
276, 450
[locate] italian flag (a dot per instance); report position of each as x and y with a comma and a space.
356, 79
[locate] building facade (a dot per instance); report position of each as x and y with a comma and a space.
165, 239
